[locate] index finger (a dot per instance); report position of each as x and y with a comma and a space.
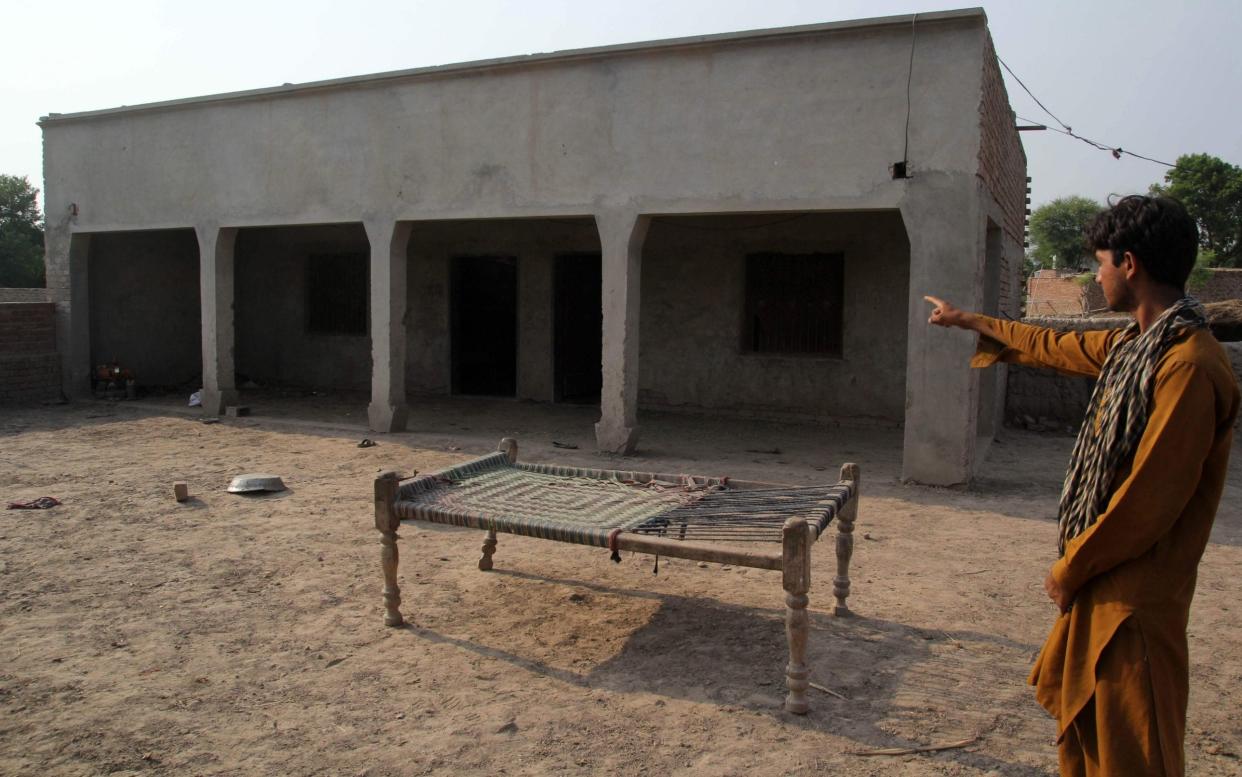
934, 300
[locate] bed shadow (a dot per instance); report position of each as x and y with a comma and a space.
895, 685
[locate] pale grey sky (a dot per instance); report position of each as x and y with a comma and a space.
1157, 78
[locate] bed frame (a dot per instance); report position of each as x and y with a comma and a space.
690, 517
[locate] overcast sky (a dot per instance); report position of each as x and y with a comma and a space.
1157, 78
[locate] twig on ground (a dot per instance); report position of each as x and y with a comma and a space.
910, 750
828, 691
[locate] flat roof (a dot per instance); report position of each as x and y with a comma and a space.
521, 60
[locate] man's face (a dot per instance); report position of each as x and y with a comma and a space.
1112, 279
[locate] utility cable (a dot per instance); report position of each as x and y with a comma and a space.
905, 153
1116, 152
1009, 70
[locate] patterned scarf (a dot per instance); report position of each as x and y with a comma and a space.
1117, 415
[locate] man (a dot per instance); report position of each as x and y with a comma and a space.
1140, 494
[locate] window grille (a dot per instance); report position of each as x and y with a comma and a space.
794, 303
337, 291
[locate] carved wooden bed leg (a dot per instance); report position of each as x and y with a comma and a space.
489, 547
796, 566
845, 542
386, 485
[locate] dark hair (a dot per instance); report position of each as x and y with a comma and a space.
1157, 230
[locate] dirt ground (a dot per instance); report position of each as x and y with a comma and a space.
237, 635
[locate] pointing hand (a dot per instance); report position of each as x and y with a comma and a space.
944, 314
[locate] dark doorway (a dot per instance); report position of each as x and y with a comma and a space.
579, 328
484, 325
156, 338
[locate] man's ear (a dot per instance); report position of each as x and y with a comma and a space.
1129, 265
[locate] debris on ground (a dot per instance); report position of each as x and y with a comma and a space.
42, 503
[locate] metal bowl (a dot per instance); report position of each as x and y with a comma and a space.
246, 484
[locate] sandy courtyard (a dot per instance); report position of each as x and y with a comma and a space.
243, 635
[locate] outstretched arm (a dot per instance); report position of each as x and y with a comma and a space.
1076, 353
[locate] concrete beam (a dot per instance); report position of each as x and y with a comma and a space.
215, 266
946, 228
389, 240
621, 236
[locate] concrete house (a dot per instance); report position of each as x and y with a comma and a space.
742, 224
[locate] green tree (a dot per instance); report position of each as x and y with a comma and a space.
21, 234
1057, 232
1211, 190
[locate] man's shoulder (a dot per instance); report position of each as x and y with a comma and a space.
1202, 351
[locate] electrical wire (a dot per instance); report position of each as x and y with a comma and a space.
1009, 70
1116, 151
905, 153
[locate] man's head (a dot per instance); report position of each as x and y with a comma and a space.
1154, 236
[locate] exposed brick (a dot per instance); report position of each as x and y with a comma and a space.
24, 295
29, 364
1051, 293
1002, 162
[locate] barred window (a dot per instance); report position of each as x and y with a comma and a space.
337, 293
794, 303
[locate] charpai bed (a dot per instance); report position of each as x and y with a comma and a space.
682, 516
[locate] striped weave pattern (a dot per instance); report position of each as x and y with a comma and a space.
583, 506
553, 503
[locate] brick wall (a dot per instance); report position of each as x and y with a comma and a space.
1225, 283
25, 295
1052, 293
1002, 162
1093, 298
1234, 350
1005, 303
1049, 293
1046, 400
29, 364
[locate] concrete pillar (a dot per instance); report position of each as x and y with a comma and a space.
621, 236
535, 356
946, 227
215, 269
74, 338
389, 240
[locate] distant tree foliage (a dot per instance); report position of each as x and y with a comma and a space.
1211, 190
1201, 274
21, 234
1057, 232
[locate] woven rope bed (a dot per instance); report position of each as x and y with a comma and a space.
679, 516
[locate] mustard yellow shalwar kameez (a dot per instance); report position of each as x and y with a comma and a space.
1114, 671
